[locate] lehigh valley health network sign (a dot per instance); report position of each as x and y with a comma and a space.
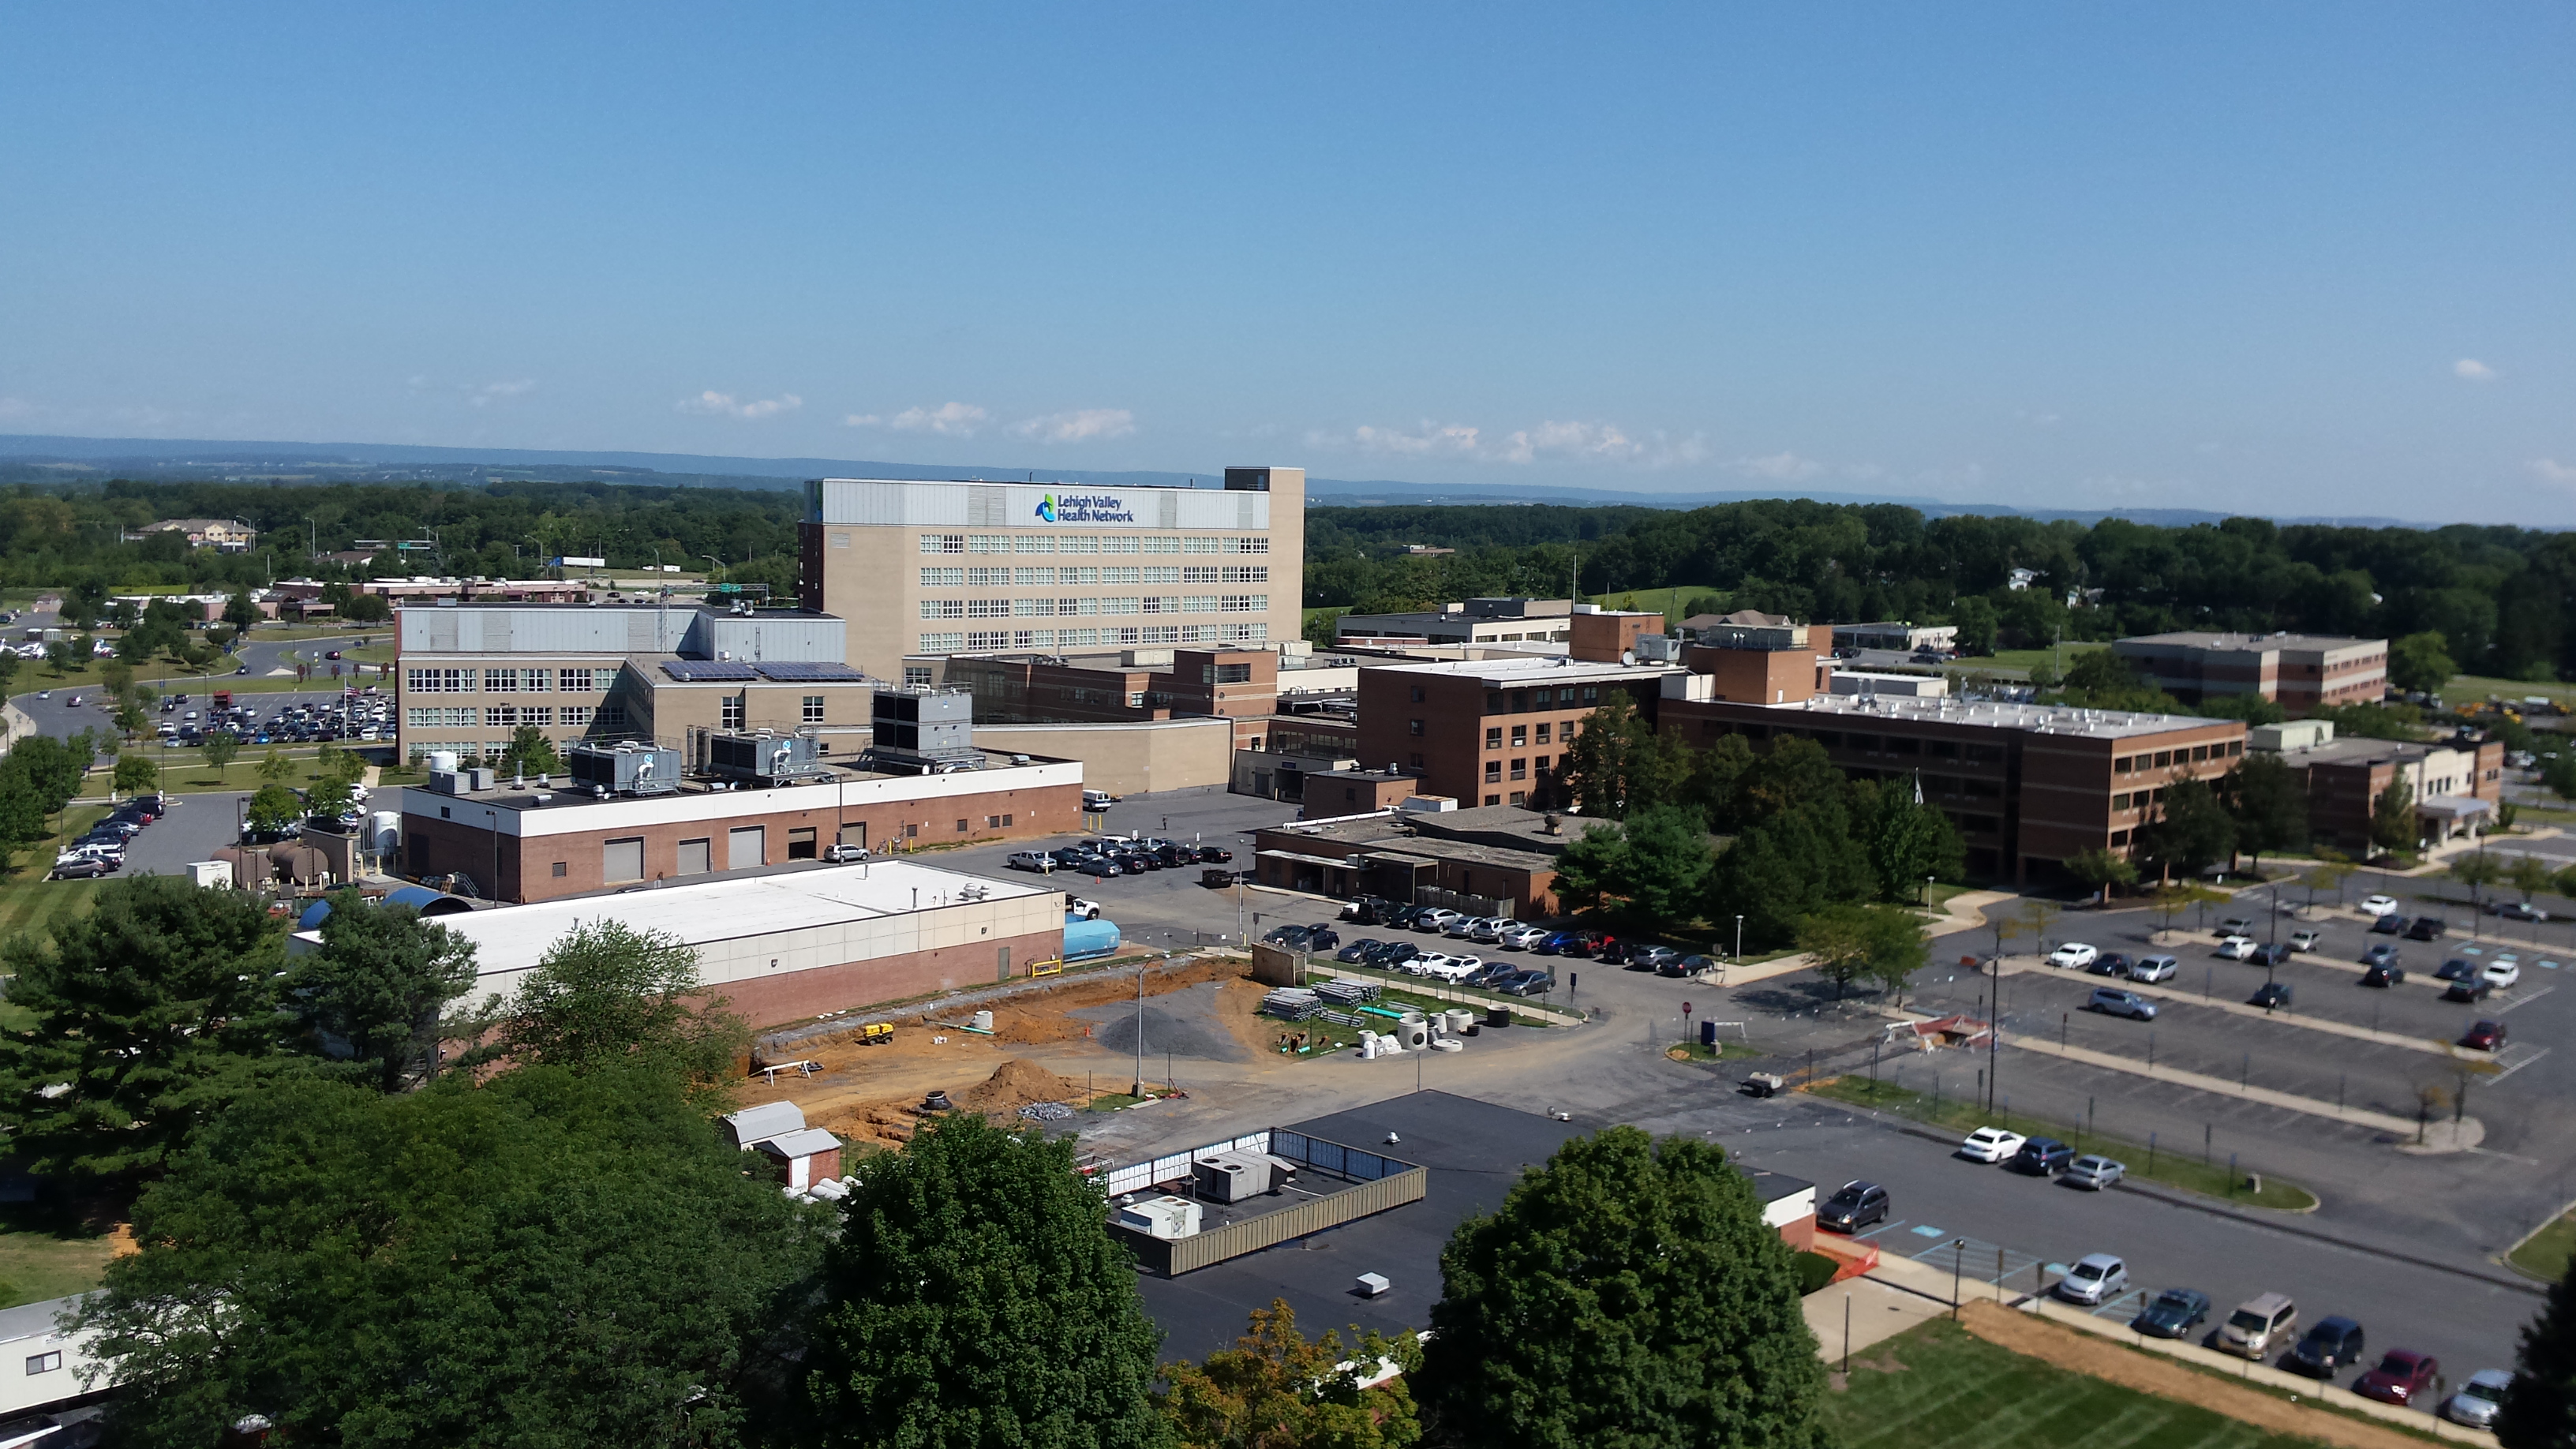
1084, 508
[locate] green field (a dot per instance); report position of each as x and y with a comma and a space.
2016, 663
2170, 1169
2470, 688
1938, 1387
2545, 1253
47, 1254
30, 905
185, 771
1669, 602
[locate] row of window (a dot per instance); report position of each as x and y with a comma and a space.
1521, 701
1084, 608
2167, 759
1521, 735
498, 716
1520, 769
1082, 543
508, 681
952, 577
974, 642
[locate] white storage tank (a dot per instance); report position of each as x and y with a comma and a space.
384, 832
442, 760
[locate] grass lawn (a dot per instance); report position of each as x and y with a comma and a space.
1938, 1387
31, 904
2166, 1169
2545, 1253
1667, 601
185, 772
45, 1253
2016, 663
2470, 688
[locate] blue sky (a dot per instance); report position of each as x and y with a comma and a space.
2293, 259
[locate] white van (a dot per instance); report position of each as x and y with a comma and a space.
1098, 799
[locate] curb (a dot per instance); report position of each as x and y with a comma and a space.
2519, 1285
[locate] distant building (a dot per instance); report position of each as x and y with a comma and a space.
228, 535
1896, 634
1473, 621
1503, 855
2300, 672
2455, 787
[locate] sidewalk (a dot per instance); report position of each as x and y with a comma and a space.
2439, 1137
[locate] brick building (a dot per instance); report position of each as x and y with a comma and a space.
1129, 686
2300, 672
534, 845
1490, 731
2455, 787
1498, 854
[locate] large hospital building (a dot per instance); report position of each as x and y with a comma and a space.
925, 570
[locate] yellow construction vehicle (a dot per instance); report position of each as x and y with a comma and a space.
877, 1033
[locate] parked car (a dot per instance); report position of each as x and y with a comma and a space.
2094, 1171
1357, 951
2519, 911
2256, 1325
2384, 976
2073, 954
2403, 1377
2427, 928
1520, 937
1528, 983
1215, 855
2455, 970
2501, 973
2380, 954
1691, 966
1396, 954
2154, 968
1036, 860
1435, 920
2112, 1001
2269, 955
2095, 1278
2468, 988
82, 868
2479, 1399
2304, 940
2172, 1313
2331, 1344
2237, 926
2379, 905
1489, 931
1465, 927
2485, 1036
1083, 909
1991, 1144
2271, 995
2043, 1156
1656, 959
2237, 948
2390, 926
1854, 1207
1292, 937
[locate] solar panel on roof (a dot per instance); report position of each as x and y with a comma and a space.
700, 671
805, 670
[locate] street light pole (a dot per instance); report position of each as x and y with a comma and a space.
1958, 1264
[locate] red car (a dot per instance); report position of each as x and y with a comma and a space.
2400, 1377
2486, 1036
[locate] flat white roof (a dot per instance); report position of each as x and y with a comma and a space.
1541, 669
2050, 719
509, 939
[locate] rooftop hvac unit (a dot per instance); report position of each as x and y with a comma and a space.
1237, 1176
764, 758
625, 769
1161, 1217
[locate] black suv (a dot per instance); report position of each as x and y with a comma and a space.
2334, 1343
2043, 1156
1855, 1207
2428, 928
2270, 995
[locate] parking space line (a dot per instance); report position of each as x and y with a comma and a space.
2524, 1000
2518, 1066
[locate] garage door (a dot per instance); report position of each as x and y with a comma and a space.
622, 860
694, 858
743, 848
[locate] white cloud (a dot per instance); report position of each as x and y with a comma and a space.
482, 396
16, 407
724, 405
1781, 467
2550, 470
1578, 441
1079, 426
2473, 370
948, 420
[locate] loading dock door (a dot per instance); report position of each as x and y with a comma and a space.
621, 860
744, 848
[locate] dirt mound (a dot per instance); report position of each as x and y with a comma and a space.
1018, 1083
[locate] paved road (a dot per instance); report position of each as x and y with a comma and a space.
196, 827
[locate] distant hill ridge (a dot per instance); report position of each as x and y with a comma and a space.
43, 458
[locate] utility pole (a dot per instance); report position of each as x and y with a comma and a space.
1137, 1089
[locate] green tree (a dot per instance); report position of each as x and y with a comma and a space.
241, 613
221, 748
2421, 662
329, 798
1793, 774
1278, 1389
2530, 875
2269, 803
2558, 772
1618, 763
1977, 623
530, 753
2477, 870
272, 809
275, 767
1626, 1294
548, 1260
1789, 867
2253, 709
1850, 942
1911, 843
2102, 870
1650, 869
8, 672
606, 993
373, 994
975, 1298
61, 657
136, 775
151, 1011
2539, 1409
2392, 817
1716, 775
2190, 830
